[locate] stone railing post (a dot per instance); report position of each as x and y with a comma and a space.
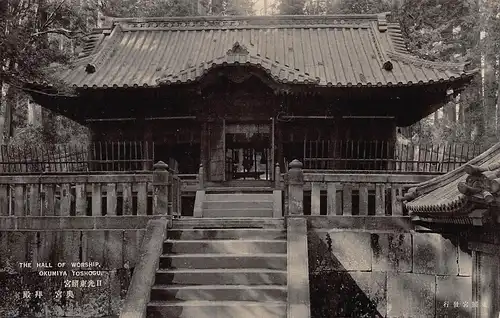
277, 176
295, 188
201, 177
161, 179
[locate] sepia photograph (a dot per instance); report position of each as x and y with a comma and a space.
250, 158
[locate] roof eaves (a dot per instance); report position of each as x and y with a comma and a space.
471, 215
464, 220
449, 208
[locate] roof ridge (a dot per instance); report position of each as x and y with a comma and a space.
313, 18
251, 21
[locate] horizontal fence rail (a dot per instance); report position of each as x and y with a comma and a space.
346, 194
384, 155
356, 194
85, 195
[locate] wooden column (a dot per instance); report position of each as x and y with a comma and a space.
279, 143
203, 149
295, 188
148, 147
201, 177
277, 176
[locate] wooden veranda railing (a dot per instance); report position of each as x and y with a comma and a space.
330, 193
387, 156
94, 194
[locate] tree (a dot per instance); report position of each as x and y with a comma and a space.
291, 7
30, 38
160, 8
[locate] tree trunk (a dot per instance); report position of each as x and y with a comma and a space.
3, 107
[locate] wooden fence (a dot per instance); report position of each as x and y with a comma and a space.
388, 156
85, 194
99, 156
97, 217
346, 194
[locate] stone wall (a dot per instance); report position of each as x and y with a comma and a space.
80, 271
57, 299
388, 270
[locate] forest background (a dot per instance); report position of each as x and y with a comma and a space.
37, 33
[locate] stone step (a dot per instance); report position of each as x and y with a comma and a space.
223, 205
226, 234
247, 212
229, 222
224, 246
219, 309
224, 276
233, 197
241, 189
272, 261
219, 292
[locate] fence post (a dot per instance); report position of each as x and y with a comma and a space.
161, 177
295, 188
277, 176
201, 177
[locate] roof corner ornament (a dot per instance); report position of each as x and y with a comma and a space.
237, 49
90, 68
388, 65
410, 195
477, 170
480, 186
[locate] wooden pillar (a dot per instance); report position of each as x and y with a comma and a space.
277, 176
95, 136
147, 148
296, 188
161, 178
203, 147
201, 177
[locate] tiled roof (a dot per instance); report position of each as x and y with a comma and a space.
341, 50
458, 192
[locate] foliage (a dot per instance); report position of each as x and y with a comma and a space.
292, 7
160, 8
29, 37
146, 8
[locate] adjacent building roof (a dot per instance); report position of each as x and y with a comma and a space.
457, 196
337, 50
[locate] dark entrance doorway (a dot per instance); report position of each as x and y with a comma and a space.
248, 149
240, 150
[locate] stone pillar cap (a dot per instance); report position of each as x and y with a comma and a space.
295, 164
160, 165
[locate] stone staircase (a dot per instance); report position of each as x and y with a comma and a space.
229, 202
224, 268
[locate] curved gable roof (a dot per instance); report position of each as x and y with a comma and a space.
336, 50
